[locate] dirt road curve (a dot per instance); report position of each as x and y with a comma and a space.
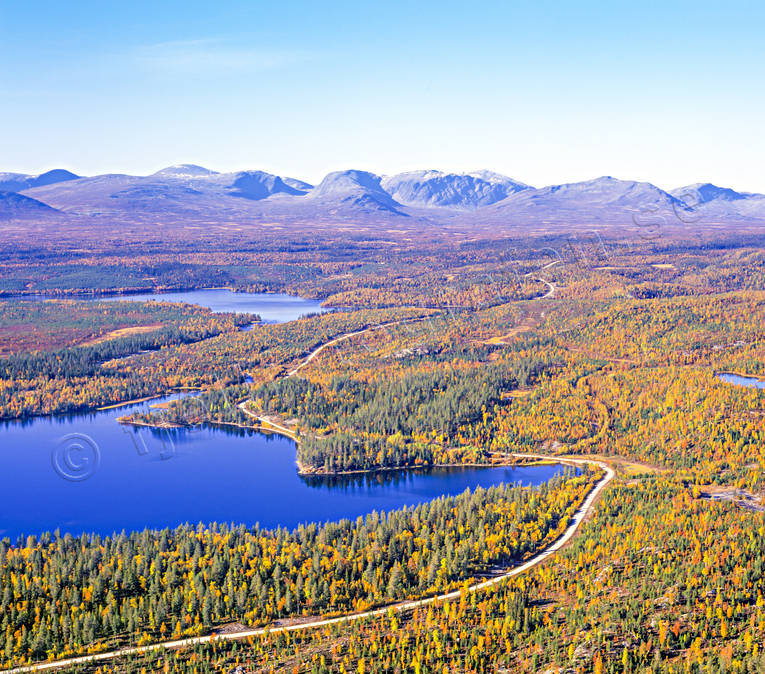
348, 335
567, 535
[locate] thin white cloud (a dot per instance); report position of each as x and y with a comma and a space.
214, 56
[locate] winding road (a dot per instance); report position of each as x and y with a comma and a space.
584, 509
550, 293
576, 521
341, 338
348, 335
551, 290
551, 286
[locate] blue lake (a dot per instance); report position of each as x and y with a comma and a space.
86, 472
271, 307
739, 380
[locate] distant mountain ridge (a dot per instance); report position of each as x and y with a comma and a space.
604, 199
702, 193
184, 171
190, 191
356, 190
18, 182
17, 206
450, 190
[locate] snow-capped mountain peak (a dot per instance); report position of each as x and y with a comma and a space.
17, 182
188, 191
463, 191
184, 171
355, 189
702, 193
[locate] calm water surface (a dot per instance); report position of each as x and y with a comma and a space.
739, 380
271, 307
86, 472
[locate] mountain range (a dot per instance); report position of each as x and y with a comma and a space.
194, 193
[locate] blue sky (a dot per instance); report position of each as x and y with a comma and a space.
545, 92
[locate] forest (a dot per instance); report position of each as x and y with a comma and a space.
64, 595
57, 364
662, 581
478, 360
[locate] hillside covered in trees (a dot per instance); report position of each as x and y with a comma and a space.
619, 361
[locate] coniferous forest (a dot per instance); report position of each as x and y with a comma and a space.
382, 338
620, 364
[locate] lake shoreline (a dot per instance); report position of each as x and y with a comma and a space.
508, 461
752, 377
104, 408
102, 476
96, 294
256, 469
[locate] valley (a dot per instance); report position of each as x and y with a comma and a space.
382, 338
414, 404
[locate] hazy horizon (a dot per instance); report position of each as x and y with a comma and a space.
540, 94
295, 175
